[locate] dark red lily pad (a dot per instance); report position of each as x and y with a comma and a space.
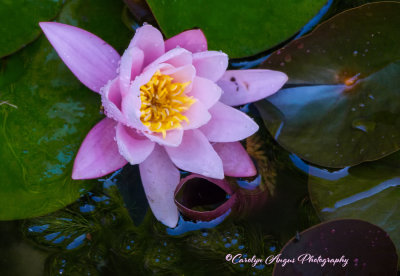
343, 98
348, 247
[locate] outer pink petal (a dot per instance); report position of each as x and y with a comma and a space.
160, 178
192, 40
111, 100
197, 115
131, 66
246, 86
173, 138
228, 124
211, 64
237, 162
92, 60
150, 41
98, 155
206, 91
134, 147
195, 154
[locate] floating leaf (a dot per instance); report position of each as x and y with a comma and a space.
19, 21
343, 108
239, 28
45, 116
369, 191
339, 247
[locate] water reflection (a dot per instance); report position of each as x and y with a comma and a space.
365, 194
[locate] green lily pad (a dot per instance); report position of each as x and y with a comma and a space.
343, 102
44, 116
239, 28
369, 191
19, 21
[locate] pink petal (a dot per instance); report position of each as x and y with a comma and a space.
206, 91
98, 154
134, 147
131, 102
246, 86
195, 154
172, 139
111, 100
181, 74
177, 57
197, 115
160, 178
228, 124
92, 60
236, 161
131, 66
150, 41
211, 64
192, 40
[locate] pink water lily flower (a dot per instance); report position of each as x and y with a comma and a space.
168, 106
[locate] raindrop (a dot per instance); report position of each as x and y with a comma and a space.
308, 50
371, 97
361, 105
355, 53
288, 58
353, 109
282, 64
363, 125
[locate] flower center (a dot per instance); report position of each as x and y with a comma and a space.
163, 102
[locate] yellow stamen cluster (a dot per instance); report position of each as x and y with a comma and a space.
163, 102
